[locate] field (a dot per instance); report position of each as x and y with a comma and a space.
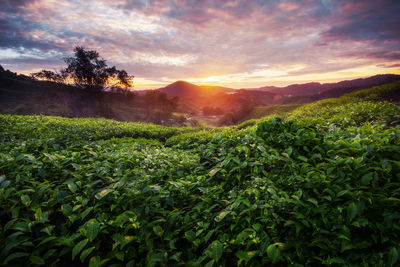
317, 186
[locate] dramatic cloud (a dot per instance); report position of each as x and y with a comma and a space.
239, 43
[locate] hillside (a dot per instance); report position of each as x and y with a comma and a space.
335, 89
301, 190
328, 107
217, 97
187, 90
231, 99
20, 94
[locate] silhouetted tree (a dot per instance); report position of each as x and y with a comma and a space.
49, 75
90, 71
158, 107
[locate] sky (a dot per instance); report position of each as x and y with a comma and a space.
238, 44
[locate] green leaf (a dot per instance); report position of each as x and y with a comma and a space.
176, 184
66, 209
158, 230
244, 256
86, 212
210, 263
14, 256
274, 251
38, 214
338, 260
352, 211
92, 229
221, 215
103, 193
78, 247
216, 250
393, 256
302, 158
313, 200
94, 261
367, 178
26, 200
47, 239
86, 253
190, 235
120, 255
72, 186
213, 172
36, 260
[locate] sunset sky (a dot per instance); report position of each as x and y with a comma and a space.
230, 43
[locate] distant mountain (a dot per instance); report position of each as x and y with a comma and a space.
187, 90
336, 89
20, 94
234, 101
224, 98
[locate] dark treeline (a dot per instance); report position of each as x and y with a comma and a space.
87, 87
20, 94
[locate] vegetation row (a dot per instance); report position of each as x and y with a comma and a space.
318, 186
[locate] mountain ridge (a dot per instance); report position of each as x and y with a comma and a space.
189, 90
318, 88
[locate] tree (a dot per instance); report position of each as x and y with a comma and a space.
90, 71
48, 75
158, 107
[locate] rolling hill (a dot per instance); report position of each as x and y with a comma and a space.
187, 90
334, 89
227, 99
20, 94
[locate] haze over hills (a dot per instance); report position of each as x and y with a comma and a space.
195, 97
187, 90
20, 94
215, 96
318, 88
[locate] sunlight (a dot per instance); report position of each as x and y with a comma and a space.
216, 79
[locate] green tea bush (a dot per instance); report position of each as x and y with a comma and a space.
386, 92
189, 138
87, 129
319, 189
326, 113
278, 110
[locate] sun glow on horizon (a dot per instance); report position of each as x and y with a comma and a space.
263, 77
276, 43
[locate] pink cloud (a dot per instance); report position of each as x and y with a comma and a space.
196, 38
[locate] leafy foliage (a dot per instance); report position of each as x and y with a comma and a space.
304, 192
90, 71
49, 76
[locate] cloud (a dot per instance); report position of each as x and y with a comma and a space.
366, 20
163, 40
12, 6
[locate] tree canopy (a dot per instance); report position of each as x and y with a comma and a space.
88, 71
49, 75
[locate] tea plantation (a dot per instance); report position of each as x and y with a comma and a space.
318, 186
